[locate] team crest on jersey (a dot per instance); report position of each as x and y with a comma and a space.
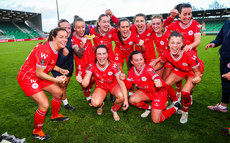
116, 58
42, 61
184, 64
143, 78
131, 43
162, 42
34, 85
148, 34
110, 73
190, 32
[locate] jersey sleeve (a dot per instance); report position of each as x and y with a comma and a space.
197, 28
129, 81
168, 21
90, 68
114, 19
42, 58
193, 60
116, 69
152, 73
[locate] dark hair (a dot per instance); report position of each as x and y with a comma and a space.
119, 33
180, 6
54, 32
61, 21
97, 25
101, 46
139, 14
129, 64
161, 18
176, 34
76, 20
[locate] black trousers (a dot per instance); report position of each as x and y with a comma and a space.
225, 68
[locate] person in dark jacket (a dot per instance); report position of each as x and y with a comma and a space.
223, 38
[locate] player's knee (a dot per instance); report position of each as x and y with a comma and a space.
155, 120
44, 106
58, 92
132, 100
96, 103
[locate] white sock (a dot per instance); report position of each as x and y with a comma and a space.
222, 107
65, 102
149, 107
88, 98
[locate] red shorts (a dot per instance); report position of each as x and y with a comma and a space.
31, 87
106, 89
168, 65
159, 99
189, 73
119, 57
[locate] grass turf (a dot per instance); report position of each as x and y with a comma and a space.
17, 110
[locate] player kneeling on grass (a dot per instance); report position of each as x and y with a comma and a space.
33, 78
106, 74
150, 88
186, 65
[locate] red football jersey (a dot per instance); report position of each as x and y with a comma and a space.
146, 36
129, 42
100, 39
88, 56
161, 41
44, 56
188, 32
185, 62
144, 79
104, 77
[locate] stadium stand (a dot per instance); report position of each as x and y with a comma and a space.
20, 25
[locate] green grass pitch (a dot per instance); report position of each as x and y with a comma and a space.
17, 110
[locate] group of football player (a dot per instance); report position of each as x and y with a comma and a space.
102, 65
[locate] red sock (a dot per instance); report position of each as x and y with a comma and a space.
167, 113
39, 118
86, 92
116, 107
171, 92
186, 100
55, 105
178, 86
141, 105
132, 88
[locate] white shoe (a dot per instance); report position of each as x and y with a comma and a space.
115, 116
184, 117
146, 113
179, 111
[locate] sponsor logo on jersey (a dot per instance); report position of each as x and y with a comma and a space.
131, 43
34, 85
52, 62
148, 34
190, 32
143, 78
162, 42
184, 64
110, 73
44, 56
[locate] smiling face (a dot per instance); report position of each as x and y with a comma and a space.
79, 27
60, 40
104, 24
124, 28
157, 25
186, 15
175, 43
140, 23
67, 27
138, 61
102, 56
